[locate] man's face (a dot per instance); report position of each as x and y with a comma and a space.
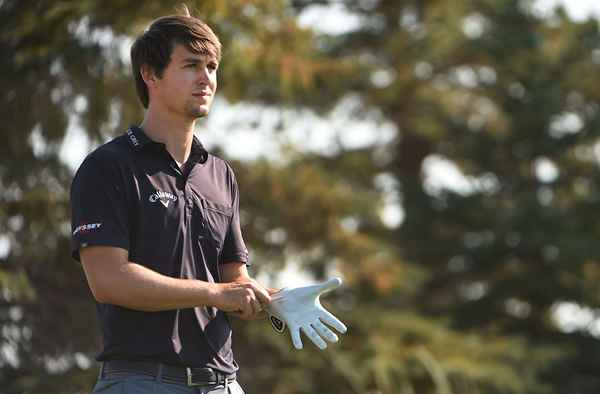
188, 84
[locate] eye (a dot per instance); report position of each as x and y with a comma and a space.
212, 66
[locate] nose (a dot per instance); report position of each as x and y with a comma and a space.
204, 75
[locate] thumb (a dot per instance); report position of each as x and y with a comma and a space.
329, 285
311, 291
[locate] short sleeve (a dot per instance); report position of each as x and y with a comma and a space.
234, 248
99, 214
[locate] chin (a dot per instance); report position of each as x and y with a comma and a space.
198, 112
202, 113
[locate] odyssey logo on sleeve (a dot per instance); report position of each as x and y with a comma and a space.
84, 228
164, 197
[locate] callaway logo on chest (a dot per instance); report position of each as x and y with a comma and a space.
164, 197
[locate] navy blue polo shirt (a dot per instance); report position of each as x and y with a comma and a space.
180, 222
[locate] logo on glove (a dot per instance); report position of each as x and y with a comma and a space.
300, 310
277, 324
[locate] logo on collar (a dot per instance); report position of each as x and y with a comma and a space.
132, 138
164, 197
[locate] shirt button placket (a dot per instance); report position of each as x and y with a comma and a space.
189, 205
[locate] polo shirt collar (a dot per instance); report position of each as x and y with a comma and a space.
198, 153
138, 140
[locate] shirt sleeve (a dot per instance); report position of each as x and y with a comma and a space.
99, 214
234, 248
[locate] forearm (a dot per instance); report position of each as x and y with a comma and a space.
136, 287
115, 280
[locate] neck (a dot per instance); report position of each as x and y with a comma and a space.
176, 133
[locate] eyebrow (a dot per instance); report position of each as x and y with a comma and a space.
198, 60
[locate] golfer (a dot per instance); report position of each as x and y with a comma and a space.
156, 226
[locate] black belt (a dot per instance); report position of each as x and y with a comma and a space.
172, 373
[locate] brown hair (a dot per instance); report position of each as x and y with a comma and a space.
154, 47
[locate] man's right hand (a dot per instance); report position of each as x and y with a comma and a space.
242, 299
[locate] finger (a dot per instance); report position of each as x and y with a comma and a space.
295, 333
272, 291
256, 307
261, 294
331, 284
333, 321
325, 332
314, 337
259, 313
246, 310
324, 287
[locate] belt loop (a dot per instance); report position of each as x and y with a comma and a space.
101, 370
227, 385
159, 373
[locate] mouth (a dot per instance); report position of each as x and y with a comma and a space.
202, 97
201, 94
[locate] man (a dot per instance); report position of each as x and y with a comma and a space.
155, 223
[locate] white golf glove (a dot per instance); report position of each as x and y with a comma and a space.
300, 309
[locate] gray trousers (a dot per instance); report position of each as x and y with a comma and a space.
133, 383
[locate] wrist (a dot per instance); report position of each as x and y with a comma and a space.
210, 293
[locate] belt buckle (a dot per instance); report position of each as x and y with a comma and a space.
189, 375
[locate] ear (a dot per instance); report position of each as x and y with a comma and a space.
148, 75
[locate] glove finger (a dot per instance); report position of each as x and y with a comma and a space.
314, 337
295, 333
329, 285
333, 321
325, 332
317, 289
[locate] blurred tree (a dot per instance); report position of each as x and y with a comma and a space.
507, 100
460, 297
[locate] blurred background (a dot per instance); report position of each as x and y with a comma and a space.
441, 156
